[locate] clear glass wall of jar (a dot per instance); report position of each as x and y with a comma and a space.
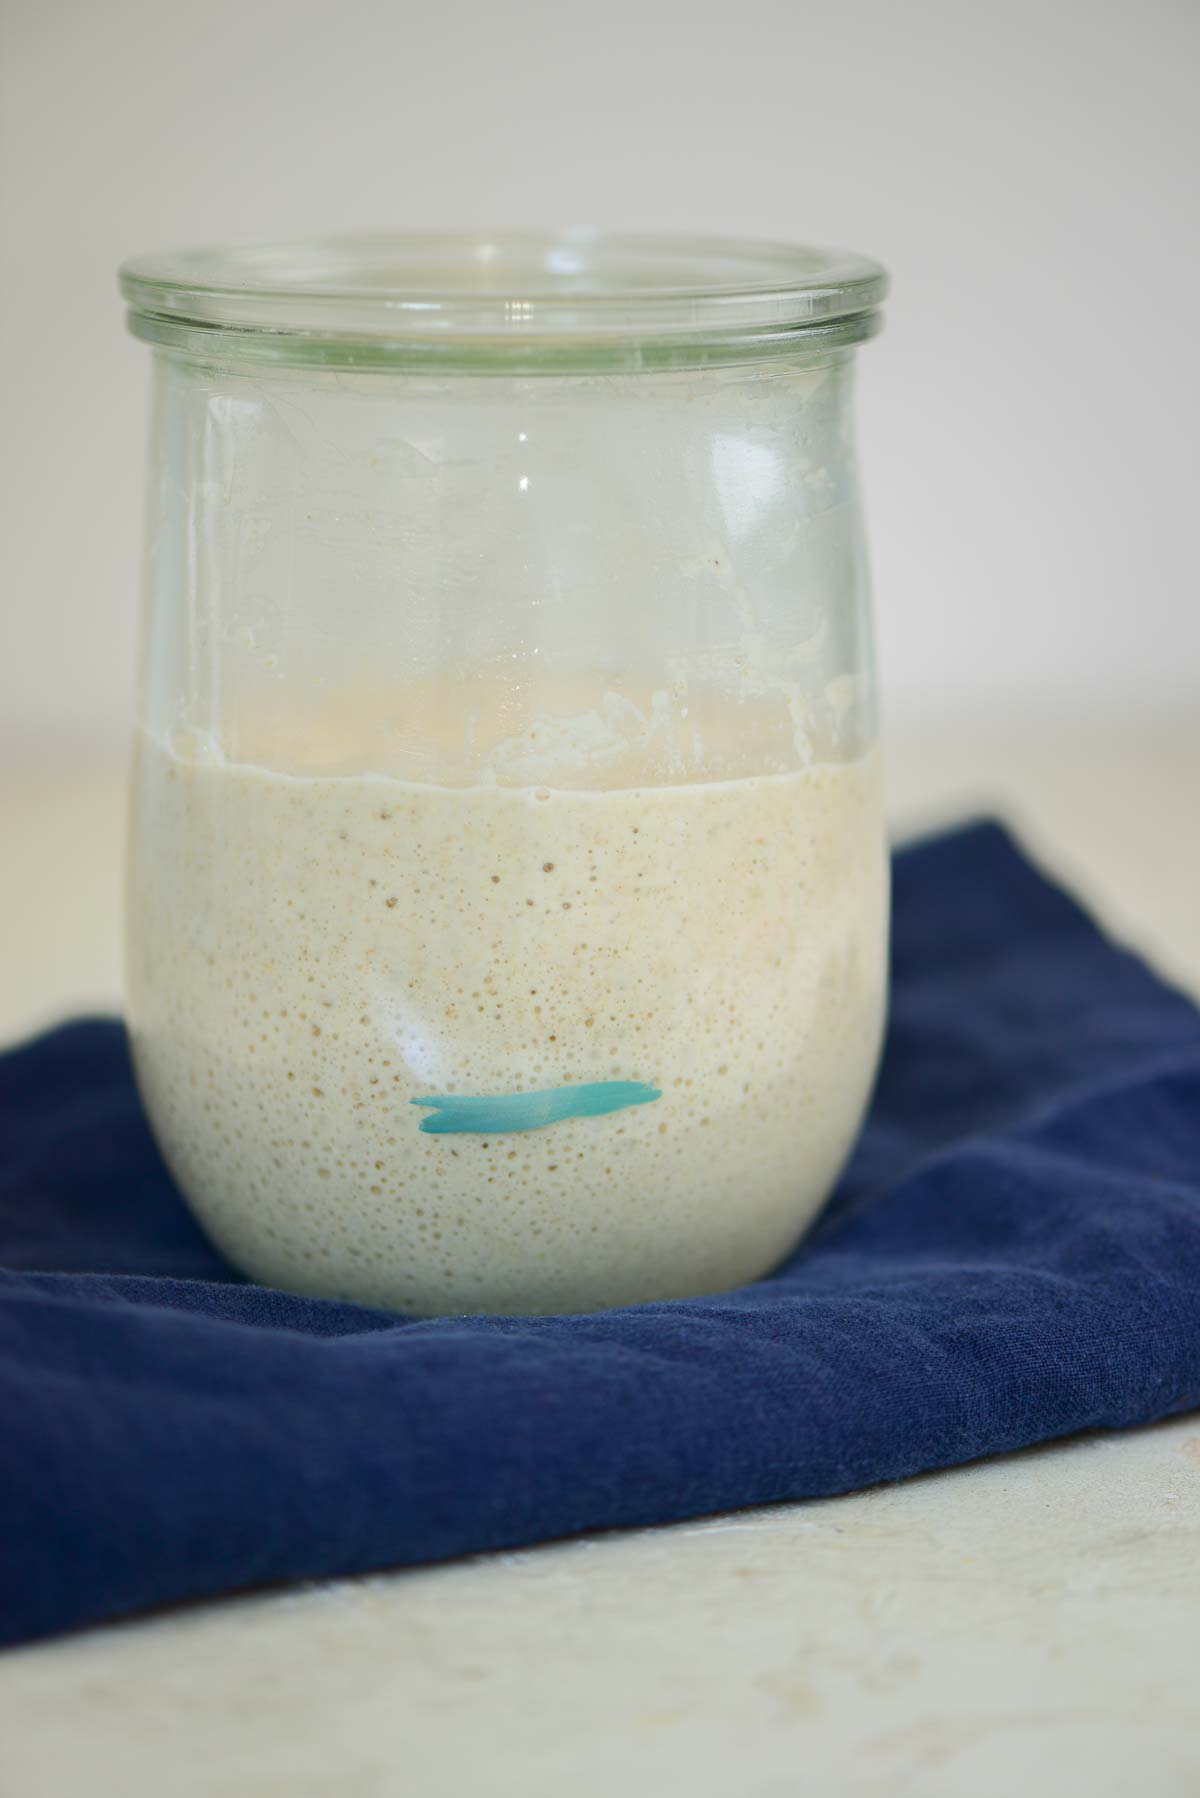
508, 893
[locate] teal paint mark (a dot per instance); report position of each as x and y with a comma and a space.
533, 1111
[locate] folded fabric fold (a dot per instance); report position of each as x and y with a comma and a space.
1013, 1254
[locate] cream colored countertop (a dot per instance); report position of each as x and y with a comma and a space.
1029, 1624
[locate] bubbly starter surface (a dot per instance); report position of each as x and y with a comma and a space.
309, 954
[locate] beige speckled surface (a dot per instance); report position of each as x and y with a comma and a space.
1031, 1624
1028, 1625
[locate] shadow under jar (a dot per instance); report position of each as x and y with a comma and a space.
508, 894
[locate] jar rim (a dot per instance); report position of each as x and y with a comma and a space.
562, 299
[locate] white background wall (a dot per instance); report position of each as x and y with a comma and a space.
1027, 171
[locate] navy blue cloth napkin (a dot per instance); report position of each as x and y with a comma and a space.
1014, 1253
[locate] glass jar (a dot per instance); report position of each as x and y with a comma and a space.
507, 886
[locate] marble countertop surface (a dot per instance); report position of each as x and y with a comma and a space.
1028, 1624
